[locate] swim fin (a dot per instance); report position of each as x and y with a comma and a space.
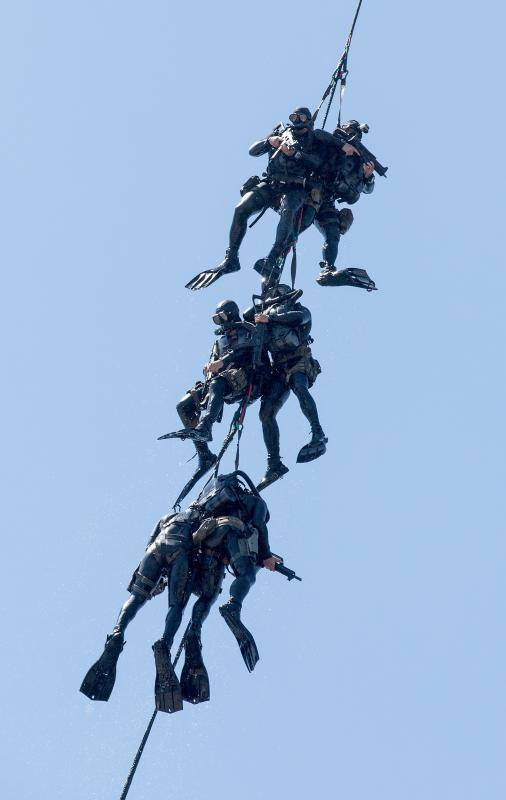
99, 681
209, 276
167, 689
346, 277
231, 613
273, 473
194, 677
313, 449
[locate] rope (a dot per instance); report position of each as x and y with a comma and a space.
145, 738
339, 75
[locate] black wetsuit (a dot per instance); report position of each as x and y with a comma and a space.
282, 187
342, 180
294, 368
235, 346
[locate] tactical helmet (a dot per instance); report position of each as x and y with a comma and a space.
282, 290
226, 311
353, 127
301, 117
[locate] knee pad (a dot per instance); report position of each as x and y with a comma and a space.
345, 220
188, 407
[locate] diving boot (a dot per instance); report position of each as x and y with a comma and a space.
313, 449
167, 689
351, 276
270, 269
203, 432
275, 470
209, 276
99, 680
231, 613
194, 677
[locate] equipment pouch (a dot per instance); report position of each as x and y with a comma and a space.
249, 185
248, 546
205, 530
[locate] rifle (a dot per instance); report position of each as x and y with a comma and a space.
287, 140
286, 571
365, 154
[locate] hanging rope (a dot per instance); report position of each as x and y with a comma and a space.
145, 738
339, 75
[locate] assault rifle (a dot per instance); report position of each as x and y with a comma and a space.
288, 573
287, 139
365, 154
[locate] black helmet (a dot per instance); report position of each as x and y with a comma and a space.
301, 118
226, 311
282, 290
353, 127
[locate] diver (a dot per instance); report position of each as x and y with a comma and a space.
288, 325
294, 152
168, 552
344, 176
225, 525
237, 362
235, 533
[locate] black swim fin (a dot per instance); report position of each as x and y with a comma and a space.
273, 473
167, 689
346, 277
313, 449
99, 681
194, 677
209, 276
231, 613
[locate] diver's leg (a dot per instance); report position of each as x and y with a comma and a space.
250, 204
217, 390
168, 695
245, 572
99, 680
286, 232
299, 383
270, 406
194, 678
331, 235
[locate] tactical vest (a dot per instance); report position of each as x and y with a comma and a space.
287, 337
236, 339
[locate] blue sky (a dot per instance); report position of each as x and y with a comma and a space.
124, 140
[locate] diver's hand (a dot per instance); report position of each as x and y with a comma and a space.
214, 366
261, 318
275, 141
270, 563
368, 169
349, 150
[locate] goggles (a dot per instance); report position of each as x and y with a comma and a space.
221, 316
298, 118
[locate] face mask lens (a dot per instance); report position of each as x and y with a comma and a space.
295, 117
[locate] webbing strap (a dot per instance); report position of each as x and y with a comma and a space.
339, 75
145, 738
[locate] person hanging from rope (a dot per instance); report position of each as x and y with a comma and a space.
188, 551
235, 533
294, 369
233, 368
344, 176
168, 553
294, 152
